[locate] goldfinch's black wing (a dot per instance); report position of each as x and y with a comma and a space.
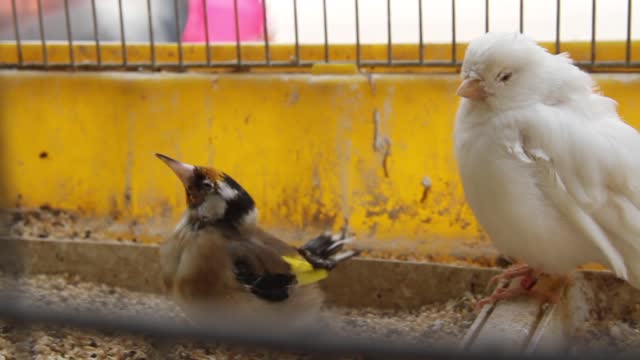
267, 286
262, 271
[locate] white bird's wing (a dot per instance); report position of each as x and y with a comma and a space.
586, 167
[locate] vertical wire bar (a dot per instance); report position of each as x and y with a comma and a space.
16, 28
152, 41
237, 23
295, 28
123, 42
326, 31
265, 28
176, 12
421, 35
454, 54
72, 60
486, 16
593, 32
558, 26
389, 41
627, 54
94, 14
206, 31
45, 57
358, 55
521, 16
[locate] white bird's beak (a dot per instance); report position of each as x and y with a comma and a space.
182, 170
472, 89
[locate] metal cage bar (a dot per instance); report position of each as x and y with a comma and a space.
358, 54
326, 31
628, 42
420, 32
207, 41
96, 36
236, 17
486, 15
72, 61
16, 29
152, 47
454, 55
176, 8
42, 38
521, 17
265, 30
388, 56
247, 335
593, 32
123, 41
558, 26
295, 30
389, 38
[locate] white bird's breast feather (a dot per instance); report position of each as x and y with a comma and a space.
505, 188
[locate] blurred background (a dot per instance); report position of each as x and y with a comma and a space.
135, 16
539, 20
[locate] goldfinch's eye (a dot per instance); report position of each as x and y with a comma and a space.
207, 186
504, 77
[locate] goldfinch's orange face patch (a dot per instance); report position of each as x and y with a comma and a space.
203, 181
212, 195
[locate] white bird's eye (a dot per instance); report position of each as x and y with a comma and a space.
504, 76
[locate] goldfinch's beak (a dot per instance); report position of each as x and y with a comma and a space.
182, 170
472, 89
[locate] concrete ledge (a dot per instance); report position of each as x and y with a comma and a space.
131, 266
357, 283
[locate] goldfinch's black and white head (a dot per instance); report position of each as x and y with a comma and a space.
213, 197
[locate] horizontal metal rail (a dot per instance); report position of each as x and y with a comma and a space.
255, 335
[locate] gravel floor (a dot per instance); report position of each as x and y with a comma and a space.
443, 323
614, 336
611, 308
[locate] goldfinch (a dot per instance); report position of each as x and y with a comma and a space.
218, 262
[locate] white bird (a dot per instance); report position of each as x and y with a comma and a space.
548, 167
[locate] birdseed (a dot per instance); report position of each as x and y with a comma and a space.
443, 323
50, 223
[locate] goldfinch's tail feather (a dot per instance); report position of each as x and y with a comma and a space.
325, 252
345, 255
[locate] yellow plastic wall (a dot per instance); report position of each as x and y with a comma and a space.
301, 144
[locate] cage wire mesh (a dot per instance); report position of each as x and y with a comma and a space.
80, 25
239, 33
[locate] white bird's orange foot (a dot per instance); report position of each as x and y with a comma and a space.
501, 294
551, 296
547, 292
513, 272
526, 284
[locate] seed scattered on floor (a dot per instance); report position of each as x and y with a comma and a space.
50, 223
443, 323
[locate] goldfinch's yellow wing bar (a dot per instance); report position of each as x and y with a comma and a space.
305, 273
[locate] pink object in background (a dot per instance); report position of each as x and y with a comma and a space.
221, 21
